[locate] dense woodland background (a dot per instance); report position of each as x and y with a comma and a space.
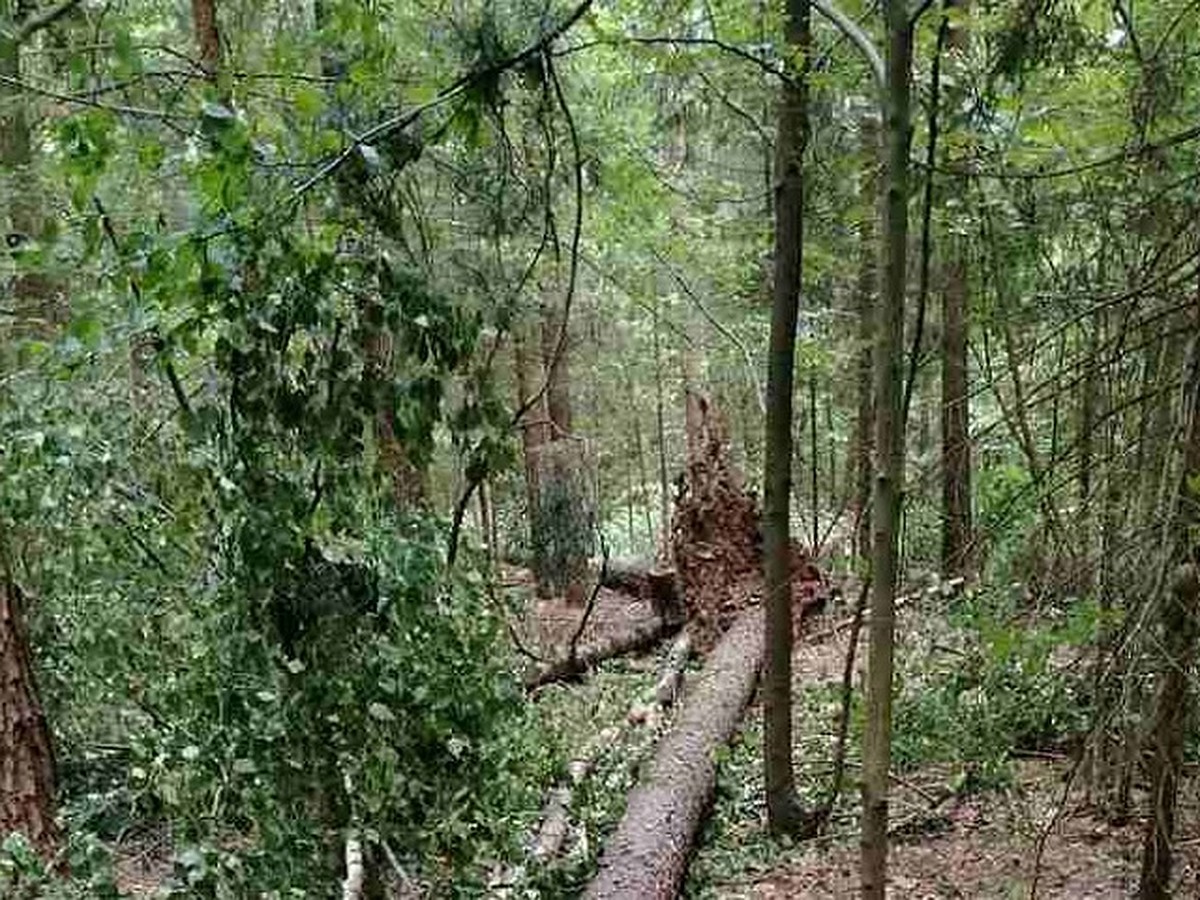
370, 369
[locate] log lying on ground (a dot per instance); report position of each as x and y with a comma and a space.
646, 857
641, 636
555, 823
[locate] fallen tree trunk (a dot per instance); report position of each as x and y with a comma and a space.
646, 857
641, 637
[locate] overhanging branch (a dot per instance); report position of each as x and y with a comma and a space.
43, 19
857, 36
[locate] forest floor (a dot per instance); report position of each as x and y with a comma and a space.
949, 841
946, 843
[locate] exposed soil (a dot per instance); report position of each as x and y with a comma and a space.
974, 846
548, 624
985, 847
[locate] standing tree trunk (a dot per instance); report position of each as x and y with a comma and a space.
784, 813
32, 291
562, 524
535, 427
889, 448
1167, 734
865, 291
26, 760
556, 363
956, 439
1179, 621
957, 536
664, 482
208, 38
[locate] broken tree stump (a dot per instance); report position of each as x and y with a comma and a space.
647, 855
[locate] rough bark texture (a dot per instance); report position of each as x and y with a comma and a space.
889, 448
564, 520
1179, 631
783, 808
208, 40
1167, 734
646, 857
26, 759
664, 490
641, 637
556, 361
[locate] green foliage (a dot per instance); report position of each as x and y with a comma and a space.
1002, 693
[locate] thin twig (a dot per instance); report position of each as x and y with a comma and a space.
591, 604
839, 752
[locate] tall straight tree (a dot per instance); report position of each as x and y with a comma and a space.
865, 292
889, 450
956, 420
783, 808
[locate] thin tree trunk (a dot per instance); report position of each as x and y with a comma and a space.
865, 291
1167, 734
889, 448
956, 439
957, 534
32, 292
1179, 626
664, 484
556, 360
640, 449
784, 813
814, 464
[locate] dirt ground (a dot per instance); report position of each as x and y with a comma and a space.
548, 624
979, 846
985, 847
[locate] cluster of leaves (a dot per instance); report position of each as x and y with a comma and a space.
1003, 693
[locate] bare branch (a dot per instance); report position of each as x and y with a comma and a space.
44, 19
857, 36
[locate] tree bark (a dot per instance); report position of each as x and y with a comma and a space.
1179, 627
535, 427
956, 438
889, 448
1168, 731
646, 857
866, 289
556, 363
957, 533
784, 814
26, 759
208, 39
641, 636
